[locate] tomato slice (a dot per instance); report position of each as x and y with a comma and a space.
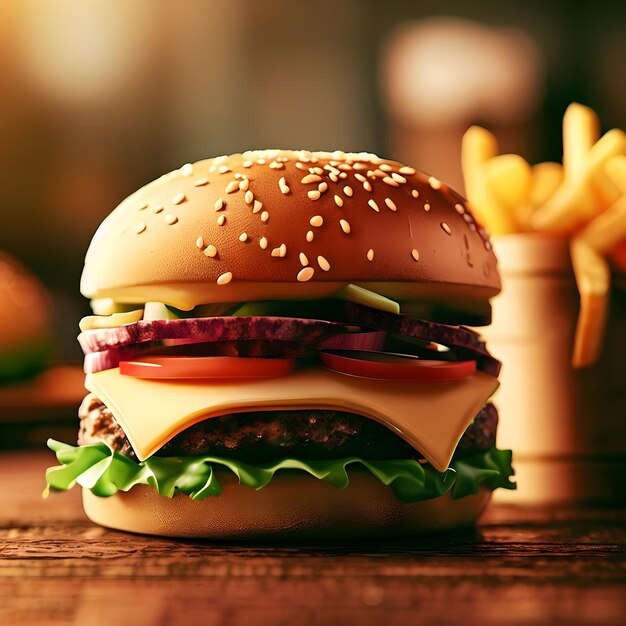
215, 367
391, 366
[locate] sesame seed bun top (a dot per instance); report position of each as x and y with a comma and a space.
292, 225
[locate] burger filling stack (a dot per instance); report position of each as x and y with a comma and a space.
278, 348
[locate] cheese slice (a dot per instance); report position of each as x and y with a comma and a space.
431, 417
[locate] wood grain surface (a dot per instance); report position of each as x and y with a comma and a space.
520, 566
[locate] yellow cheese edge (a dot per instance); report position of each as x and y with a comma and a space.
431, 417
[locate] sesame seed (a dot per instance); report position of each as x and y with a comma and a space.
223, 169
243, 237
370, 255
360, 177
200, 243
210, 251
201, 182
309, 236
426, 207
221, 220
247, 164
391, 204
338, 200
225, 278
323, 263
249, 197
415, 193
459, 209
415, 254
301, 166
257, 206
281, 251
261, 161
140, 228
359, 166
157, 209
305, 274
316, 170
232, 186
487, 245
314, 194
345, 226
143, 206
263, 243
407, 170
265, 216
468, 217
347, 190
344, 166
379, 173
446, 228
179, 198
316, 221
170, 219
187, 169
334, 177
311, 178
276, 165
219, 205
322, 187
385, 167
398, 178
390, 181
343, 175
303, 259
284, 187
239, 176
367, 186
373, 205
244, 184
472, 226
435, 183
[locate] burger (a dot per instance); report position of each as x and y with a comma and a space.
278, 349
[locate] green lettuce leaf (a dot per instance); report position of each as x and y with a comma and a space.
104, 472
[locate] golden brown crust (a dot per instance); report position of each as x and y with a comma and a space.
298, 219
290, 507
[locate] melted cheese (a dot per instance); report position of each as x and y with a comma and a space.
431, 417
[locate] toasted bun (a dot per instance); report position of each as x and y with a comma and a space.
284, 224
290, 507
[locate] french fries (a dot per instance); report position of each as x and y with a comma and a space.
583, 199
593, 279
508, 178
604, 232
581, 130
479, 146
616, 170
579, 199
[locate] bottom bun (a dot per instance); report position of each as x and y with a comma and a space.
291, 506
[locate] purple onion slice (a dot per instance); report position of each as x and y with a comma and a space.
209, 329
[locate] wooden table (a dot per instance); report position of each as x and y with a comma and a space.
520, 566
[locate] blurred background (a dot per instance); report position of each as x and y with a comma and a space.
101, 96
98, 97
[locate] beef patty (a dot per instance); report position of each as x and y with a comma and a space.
261, 436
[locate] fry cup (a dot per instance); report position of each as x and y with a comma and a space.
567, 427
